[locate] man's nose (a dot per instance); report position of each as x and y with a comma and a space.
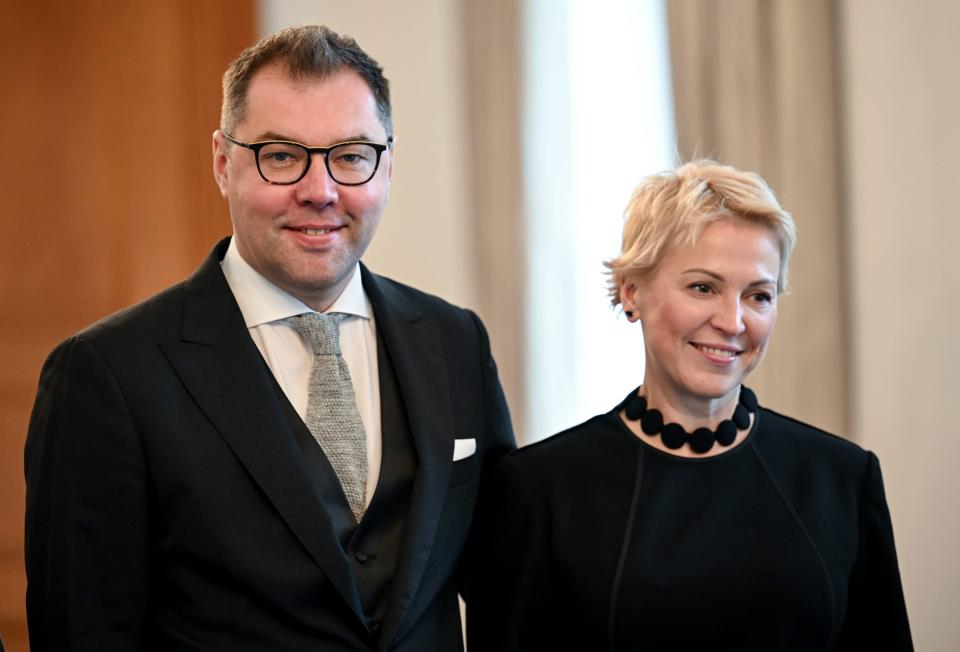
317, 186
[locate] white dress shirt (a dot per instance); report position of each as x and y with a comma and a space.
266, 308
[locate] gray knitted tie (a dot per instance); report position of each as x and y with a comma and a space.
332, 415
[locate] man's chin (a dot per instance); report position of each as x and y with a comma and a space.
316, 289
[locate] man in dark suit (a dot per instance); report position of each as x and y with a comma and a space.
282, 452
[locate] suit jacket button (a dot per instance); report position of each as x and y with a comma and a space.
373, 625
361, 556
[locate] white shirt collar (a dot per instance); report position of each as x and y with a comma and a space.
262, 302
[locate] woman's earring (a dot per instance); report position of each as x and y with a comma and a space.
628, 313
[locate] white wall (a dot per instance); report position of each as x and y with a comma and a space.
424, 238
589, 138
901, 100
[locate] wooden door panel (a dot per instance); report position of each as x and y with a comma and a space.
105, 121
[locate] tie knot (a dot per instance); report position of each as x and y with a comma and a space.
321, 331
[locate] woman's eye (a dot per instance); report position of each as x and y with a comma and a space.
763, 297
701, 288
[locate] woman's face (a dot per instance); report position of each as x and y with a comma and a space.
707, 311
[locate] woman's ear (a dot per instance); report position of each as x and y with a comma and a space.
629, 299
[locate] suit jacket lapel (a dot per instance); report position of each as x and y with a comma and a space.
413, 342
222, 369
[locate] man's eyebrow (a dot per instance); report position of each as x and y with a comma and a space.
273, 135
719, 277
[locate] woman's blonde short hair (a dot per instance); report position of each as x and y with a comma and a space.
669, 210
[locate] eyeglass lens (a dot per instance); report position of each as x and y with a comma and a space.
351, 163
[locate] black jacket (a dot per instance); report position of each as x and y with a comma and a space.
169, 507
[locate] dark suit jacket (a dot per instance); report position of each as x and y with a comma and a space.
169, 507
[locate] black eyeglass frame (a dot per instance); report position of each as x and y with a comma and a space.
324, 151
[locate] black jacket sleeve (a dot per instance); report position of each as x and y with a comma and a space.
498, 440
86, 526
876, 613
511, 607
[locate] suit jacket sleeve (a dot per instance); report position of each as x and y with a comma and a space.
499, 440
86, 519
510, 608
498, 424
876, 613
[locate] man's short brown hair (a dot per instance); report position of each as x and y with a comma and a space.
307, 52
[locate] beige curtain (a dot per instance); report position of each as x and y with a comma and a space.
492, 84
755, 85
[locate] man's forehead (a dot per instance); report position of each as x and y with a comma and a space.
275, 78
313, 110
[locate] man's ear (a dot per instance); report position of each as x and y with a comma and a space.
221, 162
393, 155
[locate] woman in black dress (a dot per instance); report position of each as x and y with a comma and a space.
689, 517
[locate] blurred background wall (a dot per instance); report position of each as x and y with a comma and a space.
848, 107
901, 103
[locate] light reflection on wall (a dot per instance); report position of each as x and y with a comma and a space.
599, 117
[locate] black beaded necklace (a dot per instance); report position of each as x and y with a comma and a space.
701, 440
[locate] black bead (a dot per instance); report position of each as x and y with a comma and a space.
748, 399
651, 422
726, 432
741, 417
636, 406
673, 435
702, 440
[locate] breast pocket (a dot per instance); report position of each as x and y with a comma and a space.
464, 471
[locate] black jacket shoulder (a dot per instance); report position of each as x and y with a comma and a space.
418, 300
796, 448
564, 456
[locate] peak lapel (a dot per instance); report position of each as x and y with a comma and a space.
414, 344
222, 369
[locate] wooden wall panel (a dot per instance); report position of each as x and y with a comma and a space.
107, 192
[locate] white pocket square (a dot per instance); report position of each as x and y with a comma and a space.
464, 448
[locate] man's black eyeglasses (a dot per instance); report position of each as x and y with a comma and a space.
283, 162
